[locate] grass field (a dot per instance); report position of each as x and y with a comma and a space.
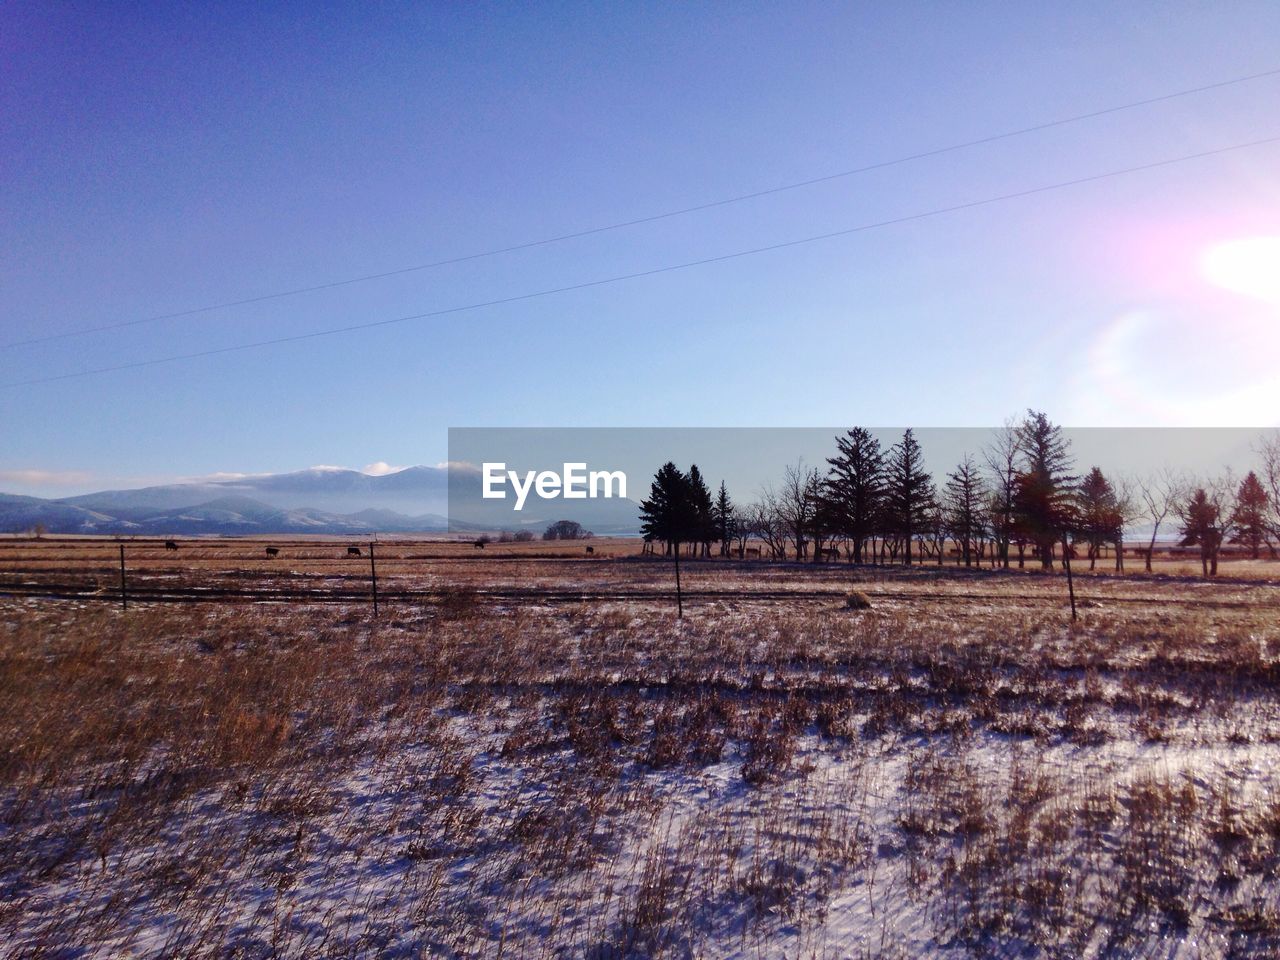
527, 755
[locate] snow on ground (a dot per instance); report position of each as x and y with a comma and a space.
762, 780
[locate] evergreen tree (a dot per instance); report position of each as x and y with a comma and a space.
724, 519
964, 503
909, 493
1099, 513
1201, 526
1249, 520
855, 487
668, 514
1043, 491
703, 510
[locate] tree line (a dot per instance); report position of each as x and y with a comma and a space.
1021, 502
559, 530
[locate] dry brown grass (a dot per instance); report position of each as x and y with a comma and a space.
944, 773
456, 557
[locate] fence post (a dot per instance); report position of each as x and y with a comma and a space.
373, 571
124, 595
679, 596
1071, 587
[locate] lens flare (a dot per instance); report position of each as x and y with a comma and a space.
1249, 266
1135, 372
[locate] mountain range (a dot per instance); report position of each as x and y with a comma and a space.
321, 500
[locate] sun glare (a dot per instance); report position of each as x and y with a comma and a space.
1249, 266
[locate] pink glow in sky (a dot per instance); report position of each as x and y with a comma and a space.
1200, 346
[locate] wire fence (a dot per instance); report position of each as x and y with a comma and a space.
258, 580
146, 591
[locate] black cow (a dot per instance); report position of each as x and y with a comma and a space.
479, 544
272, 551
170, 545
591, 551
353, 551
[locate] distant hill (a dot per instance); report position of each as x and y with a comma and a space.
319, 501
306, 501
24, 513
411, 492
227, 516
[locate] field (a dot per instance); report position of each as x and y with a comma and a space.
526, 754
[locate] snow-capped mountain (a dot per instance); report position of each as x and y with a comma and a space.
323, 500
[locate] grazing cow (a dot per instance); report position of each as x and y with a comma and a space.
753, 551
480, 544
353, 551
170, 545
591, 551
272, 551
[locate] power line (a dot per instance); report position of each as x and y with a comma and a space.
653, 218
938, 211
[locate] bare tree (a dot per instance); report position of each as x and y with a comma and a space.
933, 539
1129, 510
566, 530
1161, 493
801, 487
824, 526
768, 521
1269, 450
1002, 457
746, 526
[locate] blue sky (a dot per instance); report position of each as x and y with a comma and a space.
172, 157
